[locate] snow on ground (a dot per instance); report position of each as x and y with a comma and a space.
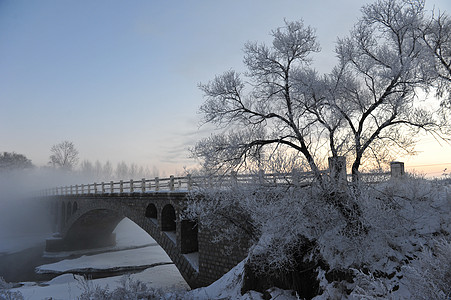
144, 251
146, 256
68, 287
229, 287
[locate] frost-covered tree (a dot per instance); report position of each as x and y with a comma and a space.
98, 171
262, 111
436, 34
108, 170
366, 106
122, 171
382, 65
14, 161
296, 232
64, 155
86, 168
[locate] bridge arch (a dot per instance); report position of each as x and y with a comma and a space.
168, 218
74, 207
95, 219
151, 211
68, 210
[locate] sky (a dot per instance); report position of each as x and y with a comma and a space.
120, 78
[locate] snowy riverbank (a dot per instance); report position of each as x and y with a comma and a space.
135, 253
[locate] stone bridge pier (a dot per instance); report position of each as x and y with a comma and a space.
87, 221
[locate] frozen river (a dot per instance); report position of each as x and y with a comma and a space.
39, 277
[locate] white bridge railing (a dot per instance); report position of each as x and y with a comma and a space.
188, 183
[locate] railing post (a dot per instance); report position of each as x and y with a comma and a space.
103, 187
396, 169
157, 183
89, 189
189, 182
131, 186
143, 185
95, 188
171, 182
71, 189
111, 187
76, 189
82, 189
121, 186
66, 189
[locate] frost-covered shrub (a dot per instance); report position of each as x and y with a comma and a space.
5, 291
426, 277
404, 219
369, 287
273, 218
398, 218
91, 291
128, 289
429, 276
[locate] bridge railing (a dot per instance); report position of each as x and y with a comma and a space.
130, 186
182, 183
189, 182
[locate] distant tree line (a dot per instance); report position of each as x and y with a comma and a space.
13, 161
65, 156
102, 172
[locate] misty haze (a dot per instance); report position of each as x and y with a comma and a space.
225, 150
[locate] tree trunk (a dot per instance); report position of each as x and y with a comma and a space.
355, 168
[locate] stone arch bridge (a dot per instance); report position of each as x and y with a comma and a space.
85, 216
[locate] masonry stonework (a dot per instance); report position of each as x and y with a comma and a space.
87, 221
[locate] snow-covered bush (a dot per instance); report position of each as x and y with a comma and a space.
293, 227
128, 289
429, 276
5, 291
91, 291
